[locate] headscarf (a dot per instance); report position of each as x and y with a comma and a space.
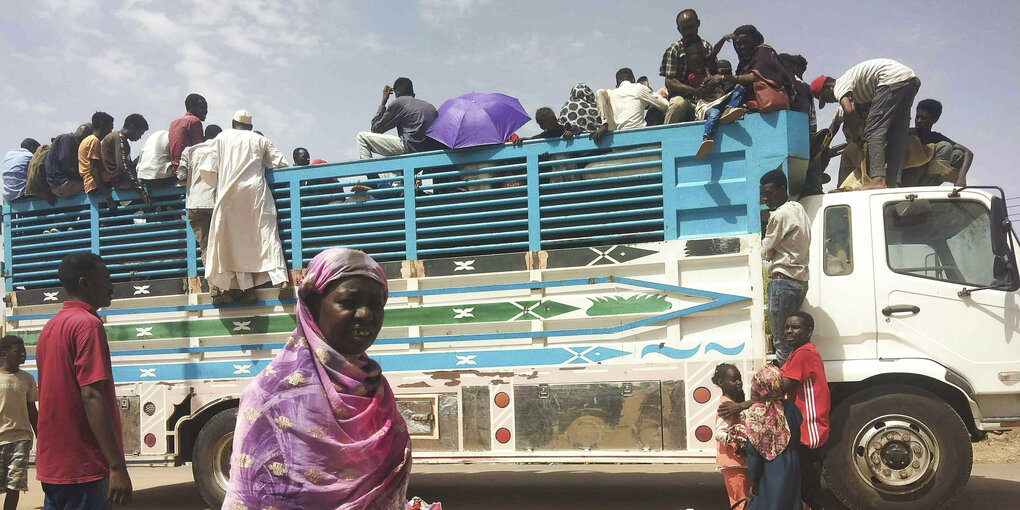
767, 429
579, 113
763, 59
318, 429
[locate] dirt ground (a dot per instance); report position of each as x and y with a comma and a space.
998, 449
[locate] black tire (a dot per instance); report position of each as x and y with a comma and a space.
880, 412
211, 457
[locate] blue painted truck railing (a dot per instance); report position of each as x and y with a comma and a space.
638, 186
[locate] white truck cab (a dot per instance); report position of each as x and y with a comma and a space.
914, 295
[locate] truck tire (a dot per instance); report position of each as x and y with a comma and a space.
897, 447
210, 462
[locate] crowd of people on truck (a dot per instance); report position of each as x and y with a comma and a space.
324, 388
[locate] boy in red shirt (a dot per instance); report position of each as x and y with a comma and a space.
805, 384
79, 458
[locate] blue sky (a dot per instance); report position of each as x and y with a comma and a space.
312, 72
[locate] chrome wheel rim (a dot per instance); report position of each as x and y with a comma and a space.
896, 454
222, 450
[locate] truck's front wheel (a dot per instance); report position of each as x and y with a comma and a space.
897, 447
210, 462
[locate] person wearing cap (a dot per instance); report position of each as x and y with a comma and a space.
186, 131
244, 240
889, 87
14, 170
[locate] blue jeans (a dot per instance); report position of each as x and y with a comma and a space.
785, 297
712, 114
77, 496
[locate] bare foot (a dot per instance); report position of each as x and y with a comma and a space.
875, 183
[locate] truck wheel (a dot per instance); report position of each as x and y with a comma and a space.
897, 447
211, 457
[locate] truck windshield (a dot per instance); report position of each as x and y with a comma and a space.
952, 242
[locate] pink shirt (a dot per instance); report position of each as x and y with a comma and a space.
726, 450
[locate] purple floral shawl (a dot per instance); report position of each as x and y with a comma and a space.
317, 429
766, 425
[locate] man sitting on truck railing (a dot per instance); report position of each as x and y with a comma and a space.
623, 108
61, 162
784, 247
951, 161
14, 169
682, 96
116, 153
244, 239
94, 174
185, 132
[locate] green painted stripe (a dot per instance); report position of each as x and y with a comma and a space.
397, 317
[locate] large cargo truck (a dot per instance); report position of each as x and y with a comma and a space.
564, 302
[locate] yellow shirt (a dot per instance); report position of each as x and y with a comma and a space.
89, 150
16, 391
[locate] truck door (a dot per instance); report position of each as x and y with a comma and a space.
929, 247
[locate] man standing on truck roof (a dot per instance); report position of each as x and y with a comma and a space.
889, 87
187, 130
784, 247
682, 96
61, 164
79, 458
244, 240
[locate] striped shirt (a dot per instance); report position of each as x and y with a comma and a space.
862, 80
811, 395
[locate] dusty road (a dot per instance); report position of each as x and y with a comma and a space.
992, 486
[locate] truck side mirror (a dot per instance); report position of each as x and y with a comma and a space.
1000, 227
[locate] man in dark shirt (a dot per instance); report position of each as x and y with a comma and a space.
682, 96
116, 154
551, 128
301, 157
61, 163
412, 118
951, 161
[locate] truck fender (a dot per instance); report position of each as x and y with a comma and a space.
187, 428
848, 376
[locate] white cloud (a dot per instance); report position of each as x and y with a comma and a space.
36, 107
441, 12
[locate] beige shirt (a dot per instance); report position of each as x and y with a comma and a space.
787, 241
16, 391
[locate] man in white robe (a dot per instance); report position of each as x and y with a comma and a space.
244, 241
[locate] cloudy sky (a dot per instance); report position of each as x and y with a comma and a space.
312, 72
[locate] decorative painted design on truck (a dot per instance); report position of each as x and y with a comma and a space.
618, 305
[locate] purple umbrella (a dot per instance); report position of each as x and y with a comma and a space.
477, 119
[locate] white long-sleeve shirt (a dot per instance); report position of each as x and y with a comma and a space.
628, 102
199, 194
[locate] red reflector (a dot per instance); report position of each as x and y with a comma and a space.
1010, 424
150, 440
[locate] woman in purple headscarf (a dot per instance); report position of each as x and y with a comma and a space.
319, 428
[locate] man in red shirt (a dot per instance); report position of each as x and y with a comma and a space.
805, 384
79, 458
187, 130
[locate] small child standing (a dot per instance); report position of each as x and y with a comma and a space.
730, 434
18, 415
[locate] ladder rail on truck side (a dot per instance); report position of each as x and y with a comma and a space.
556, 302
